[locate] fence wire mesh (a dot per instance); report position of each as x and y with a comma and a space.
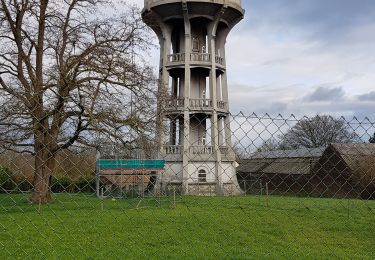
251, 187
89, 170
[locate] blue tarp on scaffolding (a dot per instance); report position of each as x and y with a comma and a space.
130, 164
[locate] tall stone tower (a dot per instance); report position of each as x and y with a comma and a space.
194, 132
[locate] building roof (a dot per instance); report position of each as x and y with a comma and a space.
366, 149
359, 159
299, 161
297, 153
277, 166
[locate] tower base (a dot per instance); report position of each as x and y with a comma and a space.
202, 179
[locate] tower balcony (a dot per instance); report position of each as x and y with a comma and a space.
173, 149
175, 104
201, 104
173, 153
196, 58
196, 152
195, 105
201, 150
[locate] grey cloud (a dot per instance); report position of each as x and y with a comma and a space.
271, 107
318, 13
346, 108
322, 19
278, 107
367, 97
325, 94
263, 101
274, 62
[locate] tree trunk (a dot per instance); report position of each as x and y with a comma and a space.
44, 166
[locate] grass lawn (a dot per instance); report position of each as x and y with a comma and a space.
76, 226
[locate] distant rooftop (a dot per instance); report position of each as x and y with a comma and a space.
344, 149
298, 153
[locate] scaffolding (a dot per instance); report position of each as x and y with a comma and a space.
127, 178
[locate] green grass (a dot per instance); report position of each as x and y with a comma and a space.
76, 226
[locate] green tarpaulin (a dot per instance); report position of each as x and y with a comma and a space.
130, 164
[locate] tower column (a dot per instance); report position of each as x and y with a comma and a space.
212, 30
221, 132
173, 124
165, 42
186, 141
228, 132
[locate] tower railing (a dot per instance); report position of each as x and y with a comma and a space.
224, 150
200, 103
220, 60
204, 57
194, 57
176, 57
173, 149
195, 103
201, 149
221, 105
194, 149
175, 103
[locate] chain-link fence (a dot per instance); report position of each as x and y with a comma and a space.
255, 186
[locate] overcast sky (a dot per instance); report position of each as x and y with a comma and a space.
303, 57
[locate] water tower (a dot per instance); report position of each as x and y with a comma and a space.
194, 132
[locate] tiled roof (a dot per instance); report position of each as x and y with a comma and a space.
297, 153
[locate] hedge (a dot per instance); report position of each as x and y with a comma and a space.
6, 180
59, 184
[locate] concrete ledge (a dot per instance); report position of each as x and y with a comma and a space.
233, 3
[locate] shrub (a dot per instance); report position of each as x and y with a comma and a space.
6, 181
86, 184
24, 185
61, 184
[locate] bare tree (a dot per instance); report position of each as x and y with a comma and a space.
67, 71
318, 131
241, 152
269, 145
